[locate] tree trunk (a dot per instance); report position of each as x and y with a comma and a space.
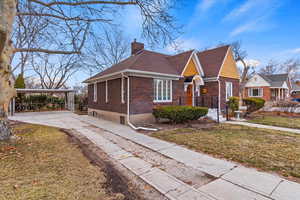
7, 91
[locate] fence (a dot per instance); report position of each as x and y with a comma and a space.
27, 107
202, 101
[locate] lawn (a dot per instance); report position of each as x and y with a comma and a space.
43, 164
288, 122
264, 149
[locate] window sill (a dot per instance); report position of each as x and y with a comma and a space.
164, 101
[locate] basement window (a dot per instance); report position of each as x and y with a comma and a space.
162, 90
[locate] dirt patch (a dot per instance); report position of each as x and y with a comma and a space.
275, 113
201, 124
116, 182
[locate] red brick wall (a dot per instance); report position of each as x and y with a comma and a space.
141, 95
235, 90
114, 103
266, 92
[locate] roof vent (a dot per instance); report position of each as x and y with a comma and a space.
136, 47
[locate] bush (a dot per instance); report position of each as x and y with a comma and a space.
179, 114
233, 103
253, 103
20, 82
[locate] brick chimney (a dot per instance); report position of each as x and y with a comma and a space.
136, 47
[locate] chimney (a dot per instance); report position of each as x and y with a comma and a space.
136, 47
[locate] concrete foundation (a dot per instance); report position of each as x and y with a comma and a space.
121, 117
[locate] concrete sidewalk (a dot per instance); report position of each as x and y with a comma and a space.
291, 130
231, 181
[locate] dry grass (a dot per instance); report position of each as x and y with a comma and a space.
288, 122
43, 164
260, 148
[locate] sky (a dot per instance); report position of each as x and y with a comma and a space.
267, 29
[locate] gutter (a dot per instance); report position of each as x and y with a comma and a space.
128, 110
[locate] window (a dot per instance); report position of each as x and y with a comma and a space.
95, 92
162, 90
255, 92
106, 92
228, 90
122, 90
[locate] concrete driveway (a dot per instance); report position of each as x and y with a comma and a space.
174, 171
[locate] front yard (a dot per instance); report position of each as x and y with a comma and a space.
43, 164
260, 148
281, 121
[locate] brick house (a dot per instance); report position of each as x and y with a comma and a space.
295, 93
269, 87
131, 88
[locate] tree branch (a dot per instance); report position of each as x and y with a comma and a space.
84, 3
62, 18
45, 51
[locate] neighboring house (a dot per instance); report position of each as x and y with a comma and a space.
269, 87
151, 79
295, 93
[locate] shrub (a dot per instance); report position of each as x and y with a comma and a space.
20, 82
179, 114
233, 103
253, 103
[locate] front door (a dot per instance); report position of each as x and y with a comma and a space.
189, 95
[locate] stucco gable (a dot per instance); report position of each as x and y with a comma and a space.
257, 81
229, 68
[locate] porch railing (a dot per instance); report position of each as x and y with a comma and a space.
202, 101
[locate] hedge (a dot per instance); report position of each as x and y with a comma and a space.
253, 103
179, 114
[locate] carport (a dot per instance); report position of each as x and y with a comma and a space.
69, 95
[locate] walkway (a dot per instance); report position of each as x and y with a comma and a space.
291, 130
176, 172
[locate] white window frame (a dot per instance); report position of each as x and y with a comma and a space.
250, 92
231, 90
106, 92
122, 90
165, 83
95, 92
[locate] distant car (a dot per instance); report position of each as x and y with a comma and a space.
296, 100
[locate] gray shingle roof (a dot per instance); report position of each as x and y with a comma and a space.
275, 80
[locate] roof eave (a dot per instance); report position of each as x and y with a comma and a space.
138, 72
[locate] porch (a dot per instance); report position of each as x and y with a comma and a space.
278, 94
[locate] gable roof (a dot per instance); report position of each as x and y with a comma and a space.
212, 60
275, 80
149, 61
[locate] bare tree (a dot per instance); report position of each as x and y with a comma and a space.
292, 67
70, 23
53, 74
107, 51
272, 67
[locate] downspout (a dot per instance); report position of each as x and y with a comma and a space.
219, 96
128, 110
